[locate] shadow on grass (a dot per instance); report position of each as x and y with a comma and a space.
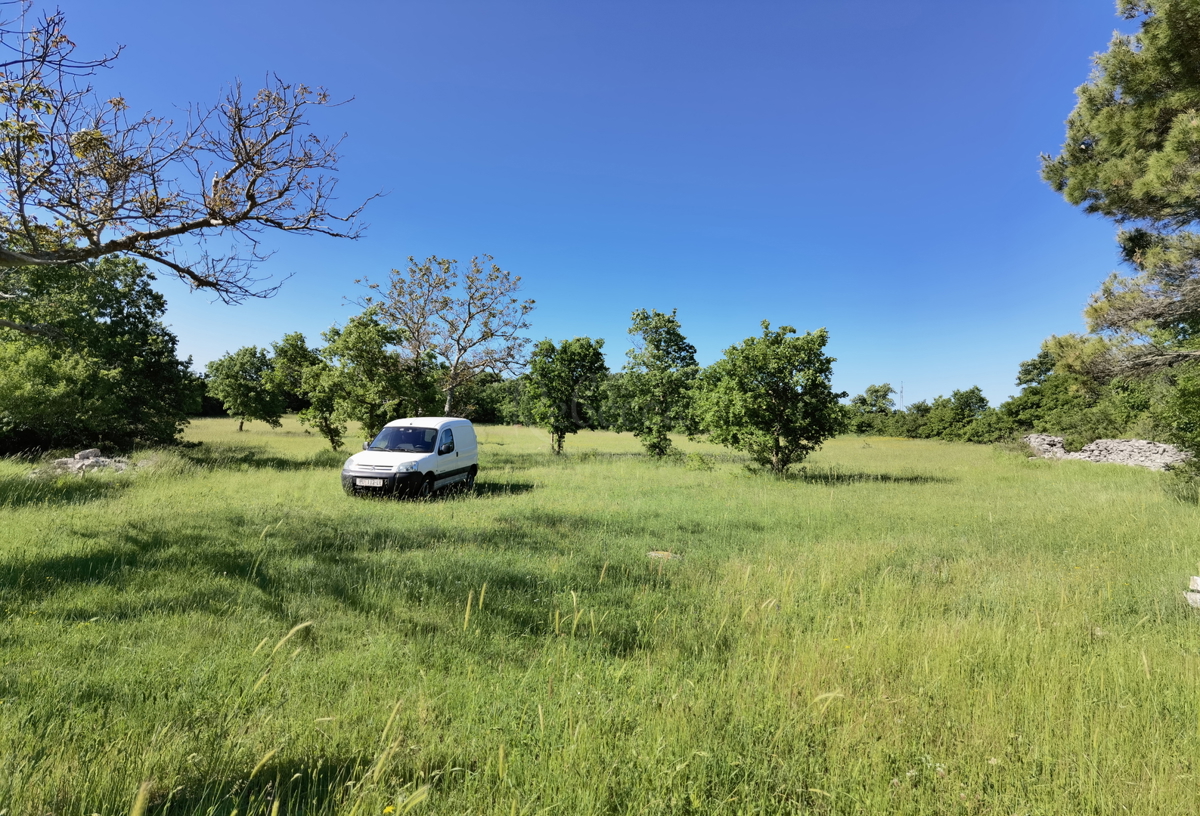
222, 565
20, 491
252, 457
482, 490
492, 489
316, 785
827, 476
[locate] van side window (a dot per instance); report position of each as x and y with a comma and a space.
447, 443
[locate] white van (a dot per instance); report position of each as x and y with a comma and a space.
415, 457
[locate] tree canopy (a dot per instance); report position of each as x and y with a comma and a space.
1132, 154
565, 383
653, 395
243, 381
771, 397
103, 371
369, 378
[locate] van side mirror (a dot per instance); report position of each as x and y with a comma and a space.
366, 445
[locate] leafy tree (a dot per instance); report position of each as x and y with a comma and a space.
1061, 396
910, 422
370, 380
304, 373
1130, 155
360, 375
289, 359
950, 417
104, 370
208, 406
468, 320
564, 385
481, 400
244, 383
992, 425
510, 400
653, 395
1037, 370
771, 397
85, 179
1181, 416
869, 410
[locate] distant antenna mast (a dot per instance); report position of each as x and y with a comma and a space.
902, 395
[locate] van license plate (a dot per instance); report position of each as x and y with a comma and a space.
368, 482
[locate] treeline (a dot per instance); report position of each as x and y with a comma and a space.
85, 360
769, 395
1063, 392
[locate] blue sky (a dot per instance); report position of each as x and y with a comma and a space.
863, 165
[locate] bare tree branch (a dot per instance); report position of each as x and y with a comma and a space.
83, 178
469, 320
31, 329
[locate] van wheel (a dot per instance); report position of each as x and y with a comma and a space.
469, 482
425, 489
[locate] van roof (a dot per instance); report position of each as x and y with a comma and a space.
427, 422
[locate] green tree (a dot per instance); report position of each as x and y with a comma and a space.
103, 370
1060, 395
303, 372
1131, 155
289, 359
243, 382
771, 397
653, 395
370, 380
909, 422
564, 386
869, 410
950, 417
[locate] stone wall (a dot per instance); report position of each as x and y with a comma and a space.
1136, 452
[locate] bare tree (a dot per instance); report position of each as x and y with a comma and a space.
84, 178
469, 321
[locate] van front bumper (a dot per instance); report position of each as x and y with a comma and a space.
405, 482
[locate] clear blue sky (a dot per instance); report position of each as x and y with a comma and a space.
864, 165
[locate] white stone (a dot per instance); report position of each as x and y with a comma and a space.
1137, 452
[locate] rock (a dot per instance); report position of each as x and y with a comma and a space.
82, 462
1193, 598
663, 554
1046, 446
1136, 452
1194, 586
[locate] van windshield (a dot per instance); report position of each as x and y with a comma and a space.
418, 440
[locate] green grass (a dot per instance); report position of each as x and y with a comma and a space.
908, 627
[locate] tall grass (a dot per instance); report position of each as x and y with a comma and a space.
905, 627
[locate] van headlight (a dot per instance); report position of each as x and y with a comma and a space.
406, 467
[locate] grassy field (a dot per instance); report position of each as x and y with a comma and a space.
910, 627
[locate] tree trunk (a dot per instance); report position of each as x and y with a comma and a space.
241, 422
449, 401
